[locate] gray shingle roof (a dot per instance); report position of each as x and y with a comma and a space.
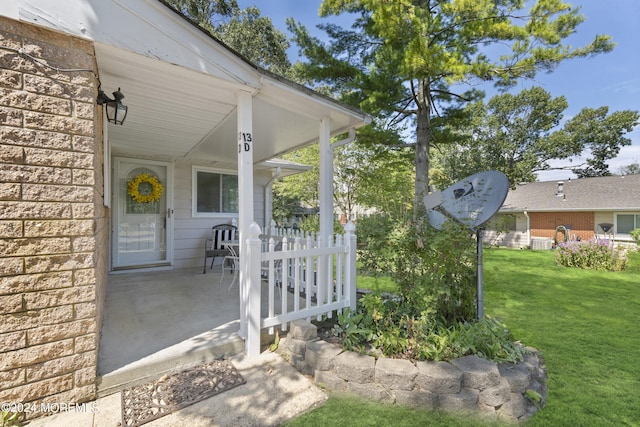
587, 194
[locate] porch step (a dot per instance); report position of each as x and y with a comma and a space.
220, 342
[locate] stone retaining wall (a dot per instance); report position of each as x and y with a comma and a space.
495, 391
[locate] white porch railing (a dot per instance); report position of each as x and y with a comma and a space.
312, 277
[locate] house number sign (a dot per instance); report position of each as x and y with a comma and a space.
245, 139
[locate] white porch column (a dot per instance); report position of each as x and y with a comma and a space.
245, 198
326, 206
326, 180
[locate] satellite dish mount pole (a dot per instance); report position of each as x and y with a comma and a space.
471, 201
480, 275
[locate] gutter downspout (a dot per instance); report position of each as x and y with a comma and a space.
526, 214
268, 199
326, 197
326, 176
348, 140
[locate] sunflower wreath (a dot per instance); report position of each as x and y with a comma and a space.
147, 195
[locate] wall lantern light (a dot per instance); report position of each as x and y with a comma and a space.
116, 110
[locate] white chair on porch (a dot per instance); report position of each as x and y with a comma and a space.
277, 266
231, 262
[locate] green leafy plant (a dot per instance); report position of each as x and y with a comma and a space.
487, 338
396, 329
353, 330
534, 397
11, 419
490, 338
274, 345
636, 235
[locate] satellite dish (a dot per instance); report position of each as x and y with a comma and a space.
471, 201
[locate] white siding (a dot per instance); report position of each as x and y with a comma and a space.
517, 238
599, 218
190, 233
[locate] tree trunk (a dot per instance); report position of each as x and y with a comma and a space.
423, 142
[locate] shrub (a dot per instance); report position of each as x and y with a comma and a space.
434, 269
636, 235
433, 317
594, 254
390, 327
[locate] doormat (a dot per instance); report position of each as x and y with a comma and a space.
150, 401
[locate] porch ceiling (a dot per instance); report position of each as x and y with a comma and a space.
176, 112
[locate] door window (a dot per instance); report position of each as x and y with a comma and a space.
141, 232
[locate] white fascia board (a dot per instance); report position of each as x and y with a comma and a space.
9, 8
308, 102
146, 27
287, 168
516, 210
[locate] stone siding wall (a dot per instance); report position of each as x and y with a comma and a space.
503, 391
53, 224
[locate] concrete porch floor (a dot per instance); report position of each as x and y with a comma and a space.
160, 322
157, 322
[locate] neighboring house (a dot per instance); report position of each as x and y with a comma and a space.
199, 117
358, 212
536, 214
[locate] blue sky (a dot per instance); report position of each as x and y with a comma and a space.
611, 79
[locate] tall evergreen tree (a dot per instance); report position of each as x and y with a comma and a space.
408, 61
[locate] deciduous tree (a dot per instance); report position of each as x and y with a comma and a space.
602, 135
244, 30
510, 134
630, 169
520, 134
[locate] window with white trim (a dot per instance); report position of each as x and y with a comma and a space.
214, 192
504, 223
627, 222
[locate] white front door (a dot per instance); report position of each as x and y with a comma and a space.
141, 213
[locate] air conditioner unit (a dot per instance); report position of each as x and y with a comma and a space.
541, 243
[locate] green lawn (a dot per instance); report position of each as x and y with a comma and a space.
378, 284
585, 323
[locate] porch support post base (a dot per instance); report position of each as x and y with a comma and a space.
254, 252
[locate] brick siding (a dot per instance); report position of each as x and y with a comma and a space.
544, 224
53, 224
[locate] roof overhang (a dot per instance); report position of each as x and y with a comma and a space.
181, 85
561, 209
281, 168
